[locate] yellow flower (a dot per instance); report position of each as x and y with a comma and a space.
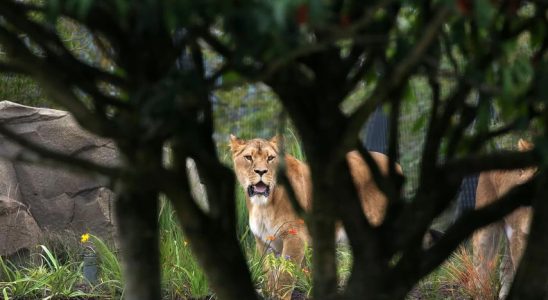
85, 238
185, 243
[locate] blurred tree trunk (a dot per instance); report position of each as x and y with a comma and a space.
137, 220
136, 209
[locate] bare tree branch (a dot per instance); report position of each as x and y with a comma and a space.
215, 43
477, 141
472, 220
53, 83
398, 76
503, 160
50, 42
12, 68
365, 19
467, 117
361, 69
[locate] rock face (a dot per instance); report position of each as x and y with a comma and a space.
18, 230
39, 198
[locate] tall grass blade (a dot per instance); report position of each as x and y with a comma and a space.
50, 258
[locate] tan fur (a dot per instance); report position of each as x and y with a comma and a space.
274, 223
515, 227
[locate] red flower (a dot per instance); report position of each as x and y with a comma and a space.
344, 20
292, 231
464, 6
302, 14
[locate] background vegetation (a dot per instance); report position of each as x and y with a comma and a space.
442, 64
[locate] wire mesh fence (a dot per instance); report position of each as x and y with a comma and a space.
252, 111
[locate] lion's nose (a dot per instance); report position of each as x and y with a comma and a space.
261, 172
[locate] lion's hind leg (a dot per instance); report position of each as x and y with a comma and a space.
517, 231
485, 243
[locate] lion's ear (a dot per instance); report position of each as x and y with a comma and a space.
275, 139
524, 145
235, 143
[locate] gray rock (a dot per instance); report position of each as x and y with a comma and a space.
18, 230
54, 198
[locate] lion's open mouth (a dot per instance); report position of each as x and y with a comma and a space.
258, 189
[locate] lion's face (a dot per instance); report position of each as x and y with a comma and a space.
255, 163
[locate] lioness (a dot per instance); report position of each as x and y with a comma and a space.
271, 217
491, 186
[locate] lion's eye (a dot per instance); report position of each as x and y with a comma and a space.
271, 157
248, 157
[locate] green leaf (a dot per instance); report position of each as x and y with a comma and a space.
506, 82
5, 293
53, 9
122, 7
483, 117
83, 8
408, 94
484, 13
538, 34
230, 78
50, 258
318, 12
419, 124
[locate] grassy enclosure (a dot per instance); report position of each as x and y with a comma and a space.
248, 111
58, 271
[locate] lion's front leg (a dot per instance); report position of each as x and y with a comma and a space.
260, 246
280, 279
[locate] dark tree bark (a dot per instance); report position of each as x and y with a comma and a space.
137, 220
216, 246
136, 210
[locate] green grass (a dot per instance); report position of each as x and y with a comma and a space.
52, 278
182, 277
49, 279
22, 90
458, 279
110, 271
